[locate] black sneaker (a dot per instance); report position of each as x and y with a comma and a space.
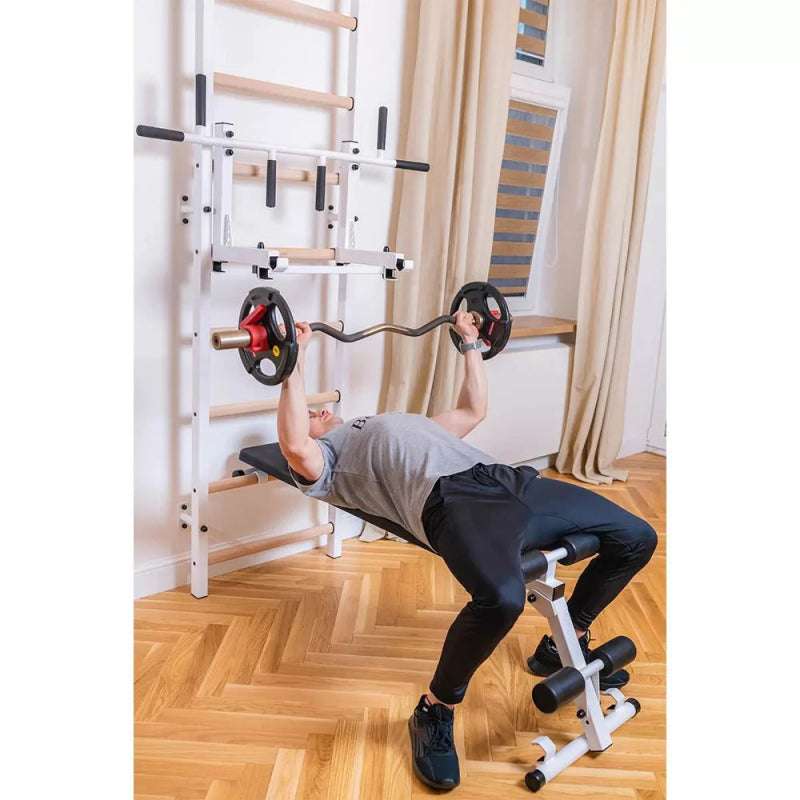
432, 749
545, 661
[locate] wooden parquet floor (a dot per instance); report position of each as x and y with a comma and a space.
294, 680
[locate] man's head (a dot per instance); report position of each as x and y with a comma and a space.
321, 422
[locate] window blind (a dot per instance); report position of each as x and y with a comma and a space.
529, 137
532, 31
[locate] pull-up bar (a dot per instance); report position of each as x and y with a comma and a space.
170, 135
353, 156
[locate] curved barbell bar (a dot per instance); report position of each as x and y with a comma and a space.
236, 338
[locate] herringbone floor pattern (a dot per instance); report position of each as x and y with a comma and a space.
295, 679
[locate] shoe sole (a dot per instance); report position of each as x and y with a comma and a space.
539, 669
427, 781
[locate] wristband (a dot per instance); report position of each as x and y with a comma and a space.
464, 346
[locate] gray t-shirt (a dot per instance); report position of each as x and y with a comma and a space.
387, 464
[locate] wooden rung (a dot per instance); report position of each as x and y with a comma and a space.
299, 11
520, 202
226, 484
307, 253
516, 177
530, 44
527, 155
267, 543
279, 91
235, 409
243, 170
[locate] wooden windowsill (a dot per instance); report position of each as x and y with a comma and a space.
534, 325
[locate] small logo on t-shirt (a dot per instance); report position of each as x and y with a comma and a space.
359, 423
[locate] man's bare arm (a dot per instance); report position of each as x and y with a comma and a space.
298, 448
473, 398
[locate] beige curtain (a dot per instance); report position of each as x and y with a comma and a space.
610, 263
459, 55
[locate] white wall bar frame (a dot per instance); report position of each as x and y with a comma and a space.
341, 375
224, 145
202, 265
215, 146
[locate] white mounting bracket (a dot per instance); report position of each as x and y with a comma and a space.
184, 209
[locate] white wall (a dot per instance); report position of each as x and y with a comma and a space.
644, 391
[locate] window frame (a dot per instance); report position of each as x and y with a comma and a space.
546, 72
529, 90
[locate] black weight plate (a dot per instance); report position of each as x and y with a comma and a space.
281, 351
495, 330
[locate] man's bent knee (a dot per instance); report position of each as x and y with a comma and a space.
642, 543
504, 605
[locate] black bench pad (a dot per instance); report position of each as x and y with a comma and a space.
268, 458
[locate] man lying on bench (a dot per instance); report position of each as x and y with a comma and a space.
478, 515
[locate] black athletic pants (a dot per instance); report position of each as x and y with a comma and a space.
482, 519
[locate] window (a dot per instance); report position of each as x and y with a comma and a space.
537, 114
538, 38
532, 32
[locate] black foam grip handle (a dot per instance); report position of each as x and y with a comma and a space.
579, 546
272, 181
615, 654
320, 204
159, 133
417, 166
557, 690
200, 99
534, 565
383, 113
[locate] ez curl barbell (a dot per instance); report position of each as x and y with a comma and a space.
263, 338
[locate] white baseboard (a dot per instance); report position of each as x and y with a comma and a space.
543, 462
632, 445
166, 574
659, 451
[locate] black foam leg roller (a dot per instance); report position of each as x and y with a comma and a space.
579, 546
615, 654
558, 690
534, 565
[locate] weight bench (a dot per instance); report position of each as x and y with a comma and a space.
576, 680
267, 458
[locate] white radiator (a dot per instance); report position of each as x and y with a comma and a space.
527, 403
